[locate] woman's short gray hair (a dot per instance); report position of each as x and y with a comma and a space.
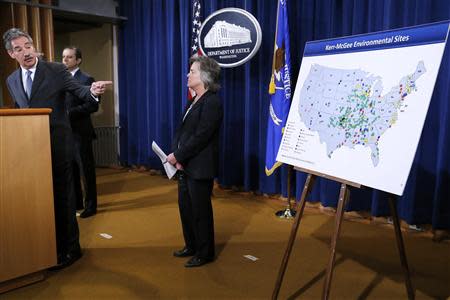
209, 71
13, 34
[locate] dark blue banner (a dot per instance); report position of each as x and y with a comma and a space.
404, 37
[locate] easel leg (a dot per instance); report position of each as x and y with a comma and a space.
401, 247
300, 208
343, 197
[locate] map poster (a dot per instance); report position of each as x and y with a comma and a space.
360, 104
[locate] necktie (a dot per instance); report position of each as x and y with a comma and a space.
29, 83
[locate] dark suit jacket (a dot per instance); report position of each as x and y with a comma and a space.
50, 84
196, 142
80, 111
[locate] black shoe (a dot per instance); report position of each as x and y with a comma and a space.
66, 260
87, 213
197, 262
185, 252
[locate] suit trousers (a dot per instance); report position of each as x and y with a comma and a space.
67, 233
194, 202
84, 171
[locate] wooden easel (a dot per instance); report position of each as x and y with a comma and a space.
343, 199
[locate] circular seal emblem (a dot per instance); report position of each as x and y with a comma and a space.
231, 36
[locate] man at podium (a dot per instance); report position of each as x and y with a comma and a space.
41, 84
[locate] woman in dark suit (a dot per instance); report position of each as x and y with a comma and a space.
195, 155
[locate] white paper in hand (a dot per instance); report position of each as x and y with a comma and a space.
170, 169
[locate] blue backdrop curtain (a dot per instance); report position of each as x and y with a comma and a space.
154, 51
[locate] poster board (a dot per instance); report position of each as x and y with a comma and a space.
360, 104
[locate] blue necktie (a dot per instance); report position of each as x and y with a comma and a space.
29, 83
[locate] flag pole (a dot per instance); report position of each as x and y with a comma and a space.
288, 212
272, 79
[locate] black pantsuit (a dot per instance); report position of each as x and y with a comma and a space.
194, 202
196, 147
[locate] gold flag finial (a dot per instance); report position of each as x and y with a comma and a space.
272, 85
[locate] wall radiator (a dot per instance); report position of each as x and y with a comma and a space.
106, 146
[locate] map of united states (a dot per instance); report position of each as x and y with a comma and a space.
346, 107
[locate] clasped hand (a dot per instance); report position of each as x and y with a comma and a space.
171, 159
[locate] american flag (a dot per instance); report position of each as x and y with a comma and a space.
196, 24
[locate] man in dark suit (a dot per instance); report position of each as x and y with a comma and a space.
41, 84
195, 155
83, 133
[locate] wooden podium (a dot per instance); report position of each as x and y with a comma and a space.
27, 222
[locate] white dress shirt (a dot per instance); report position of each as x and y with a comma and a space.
74, 71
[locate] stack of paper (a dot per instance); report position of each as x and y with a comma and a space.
170, 169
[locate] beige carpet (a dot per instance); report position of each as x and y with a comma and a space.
140, 212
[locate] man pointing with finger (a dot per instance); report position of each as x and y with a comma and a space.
41, 84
